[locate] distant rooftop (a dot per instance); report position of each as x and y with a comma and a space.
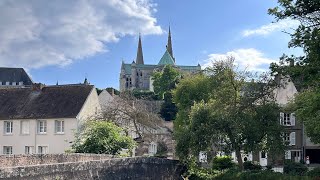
8, 76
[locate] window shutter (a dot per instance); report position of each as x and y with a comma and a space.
293, 138
287, 154
281, 118
293, 119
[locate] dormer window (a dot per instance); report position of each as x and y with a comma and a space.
20, 83
14, 83
8, 83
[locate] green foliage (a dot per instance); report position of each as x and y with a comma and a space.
248, 165
165, 80
146, 95
314, 172
222, 163
102, 137
304, 70
168, 109
228, 112
162, 149
306, 106
294, 168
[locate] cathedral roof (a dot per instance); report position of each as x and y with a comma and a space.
166, 59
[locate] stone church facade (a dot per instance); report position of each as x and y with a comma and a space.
137, 75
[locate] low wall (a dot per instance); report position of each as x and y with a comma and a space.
35, 159
126, 168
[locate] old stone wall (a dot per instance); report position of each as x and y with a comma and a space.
36, 159
126, 168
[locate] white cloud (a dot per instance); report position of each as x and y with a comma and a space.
249, 59
38, 33
272, 27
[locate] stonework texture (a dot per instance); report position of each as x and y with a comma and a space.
118, 168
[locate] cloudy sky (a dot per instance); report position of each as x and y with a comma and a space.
67, 41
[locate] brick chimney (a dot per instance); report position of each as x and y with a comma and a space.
37, 86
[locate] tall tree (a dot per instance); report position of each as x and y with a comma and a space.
236, 111
304, 70
165, 80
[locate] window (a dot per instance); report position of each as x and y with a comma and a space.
42, 126
7, 149
20, 83
152, 148
25, 127
286, 137
7, 83
28, 149
14, 83
59, 126
42, 149
8, 127
292, 138
287, 119
263, 154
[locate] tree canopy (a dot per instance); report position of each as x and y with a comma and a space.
165, 80
303, 70
102, 137
229, 112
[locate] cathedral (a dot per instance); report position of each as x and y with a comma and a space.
138, 75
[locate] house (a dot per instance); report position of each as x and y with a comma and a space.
44, 119
14, 77
137, 75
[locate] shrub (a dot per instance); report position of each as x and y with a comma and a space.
162, 149
294, 168
248, 165
222, 162
314, 172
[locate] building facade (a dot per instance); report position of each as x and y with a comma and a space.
137, 75
44, 119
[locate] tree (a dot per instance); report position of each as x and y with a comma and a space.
165, 80
236, 113
131, 113
168, 109
102, 137
303, 70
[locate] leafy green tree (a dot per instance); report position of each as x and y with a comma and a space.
237, 112
168, 109
304, 70
165, 80
102, 137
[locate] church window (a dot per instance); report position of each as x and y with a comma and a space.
140, 73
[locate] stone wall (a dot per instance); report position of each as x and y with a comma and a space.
126, 168
36, 159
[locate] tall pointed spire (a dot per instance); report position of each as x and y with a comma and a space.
169, 44
139, 59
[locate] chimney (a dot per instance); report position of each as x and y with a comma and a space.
112, 92
37, 86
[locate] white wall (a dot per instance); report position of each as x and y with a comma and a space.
57, 143
105, 99
91, 107
286, 92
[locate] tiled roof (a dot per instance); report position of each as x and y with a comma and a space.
62, 101
14, 75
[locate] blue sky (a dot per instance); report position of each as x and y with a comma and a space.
67, 41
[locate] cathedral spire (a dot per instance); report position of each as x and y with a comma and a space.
139, 59
169, 44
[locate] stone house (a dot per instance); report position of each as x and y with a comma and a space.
44, 119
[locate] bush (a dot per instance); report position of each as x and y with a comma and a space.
222, 162
294, 168
162, 149
248, 165
314, 172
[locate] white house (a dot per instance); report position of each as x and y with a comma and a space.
44, 119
